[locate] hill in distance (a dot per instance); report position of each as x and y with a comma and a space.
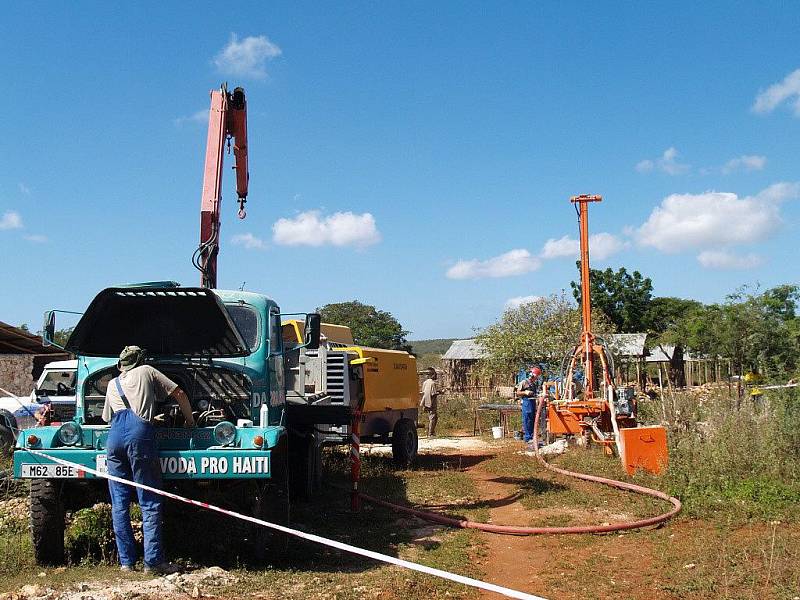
437, 346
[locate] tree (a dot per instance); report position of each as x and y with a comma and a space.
623, 297
543, 331
370, 326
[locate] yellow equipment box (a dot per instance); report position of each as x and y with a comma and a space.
390, 379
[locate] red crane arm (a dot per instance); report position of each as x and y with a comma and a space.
227, 119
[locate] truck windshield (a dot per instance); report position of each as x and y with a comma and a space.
50, 384
246, 321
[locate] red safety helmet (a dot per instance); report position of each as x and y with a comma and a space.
536, 371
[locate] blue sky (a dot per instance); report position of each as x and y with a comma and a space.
416, 156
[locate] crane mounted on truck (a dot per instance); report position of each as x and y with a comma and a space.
264, 404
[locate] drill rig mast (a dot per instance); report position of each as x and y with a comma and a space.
227, 120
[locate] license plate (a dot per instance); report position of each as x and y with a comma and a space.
35, 471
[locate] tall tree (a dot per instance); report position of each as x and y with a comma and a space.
370, 326
623, 297
543, 331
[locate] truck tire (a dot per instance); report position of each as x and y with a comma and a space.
270, 503
404, 443
7, 440
47, 521
304, 463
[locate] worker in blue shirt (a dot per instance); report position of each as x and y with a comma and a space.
528, 392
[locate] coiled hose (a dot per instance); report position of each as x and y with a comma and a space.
514, 530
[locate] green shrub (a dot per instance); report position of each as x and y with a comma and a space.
744, 462
90, 535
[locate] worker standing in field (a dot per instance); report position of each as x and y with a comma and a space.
528, 391
430, 401
133, 453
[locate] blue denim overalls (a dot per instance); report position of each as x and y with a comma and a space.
132, 454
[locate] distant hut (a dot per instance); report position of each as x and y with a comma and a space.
630, 351
461, 375
687, 368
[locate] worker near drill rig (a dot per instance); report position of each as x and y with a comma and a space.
133, 454
528, 391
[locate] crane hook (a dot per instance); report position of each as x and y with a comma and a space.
242, 212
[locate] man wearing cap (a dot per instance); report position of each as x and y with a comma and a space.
133, 453
430, 401
528, 391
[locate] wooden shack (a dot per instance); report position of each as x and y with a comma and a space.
462, 376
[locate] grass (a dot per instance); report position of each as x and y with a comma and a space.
304, 569
736, 470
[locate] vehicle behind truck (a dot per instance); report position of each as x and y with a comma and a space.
51, 401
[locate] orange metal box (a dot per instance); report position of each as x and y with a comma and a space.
644, 448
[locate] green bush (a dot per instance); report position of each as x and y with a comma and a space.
90, 535
743, 461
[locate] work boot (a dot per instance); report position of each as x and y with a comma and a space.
127, 568
164, 568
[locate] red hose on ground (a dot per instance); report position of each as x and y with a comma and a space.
512, 530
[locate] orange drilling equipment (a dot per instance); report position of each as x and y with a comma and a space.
587, 404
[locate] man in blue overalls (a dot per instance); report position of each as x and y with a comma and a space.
133, 454
528, 392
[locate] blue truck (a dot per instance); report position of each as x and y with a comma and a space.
225, 350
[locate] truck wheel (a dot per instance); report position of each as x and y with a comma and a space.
404, 443
304, 463
6, 441
47, 521
270, 503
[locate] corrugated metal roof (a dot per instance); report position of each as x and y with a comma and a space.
14, 340
659, 355
627, 344
464, 350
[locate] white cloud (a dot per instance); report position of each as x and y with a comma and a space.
249, 241
746, 162
518, 301
514, 262
11, 219
668, 163
246, 58
36, 238
339, 229
787, 90
705, 220
601, 246
722, 259
24, 188
200, 116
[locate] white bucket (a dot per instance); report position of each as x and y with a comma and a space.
497, 432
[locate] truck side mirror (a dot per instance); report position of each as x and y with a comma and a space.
48, 328
312, 331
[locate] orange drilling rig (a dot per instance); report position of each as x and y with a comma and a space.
587, 404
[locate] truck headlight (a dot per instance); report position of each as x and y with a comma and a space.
69, 434
225, 433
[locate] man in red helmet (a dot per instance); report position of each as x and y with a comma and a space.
528, 392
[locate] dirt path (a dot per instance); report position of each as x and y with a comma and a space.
585, 566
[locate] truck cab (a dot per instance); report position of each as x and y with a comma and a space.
224, 349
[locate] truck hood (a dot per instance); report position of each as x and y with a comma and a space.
165, 321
